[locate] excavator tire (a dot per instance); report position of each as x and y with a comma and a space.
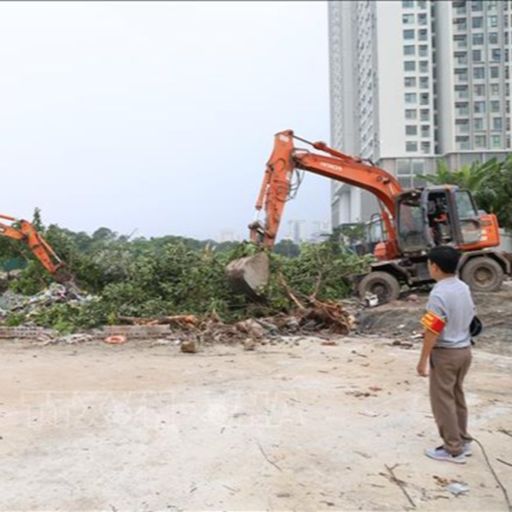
382, 284
482, 274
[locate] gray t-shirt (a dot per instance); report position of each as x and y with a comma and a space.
450, 300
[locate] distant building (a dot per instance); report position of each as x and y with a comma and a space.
412, 81
321, 230
296, 230
229, 236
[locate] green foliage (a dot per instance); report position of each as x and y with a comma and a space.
287, 248
320, 269
349, 234
173, 275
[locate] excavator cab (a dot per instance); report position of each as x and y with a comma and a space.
437, 216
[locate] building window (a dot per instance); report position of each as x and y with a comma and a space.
462, 142
492, 21
480, 141
495, 106
478, 39
411, 130
410, 97
409, 49
422, 34
460, 24
496, 54
403, 167
494, 71
410, 81
424, 82
478, 124
495, 88
497, 124
477, 5
461, 58
411, 147
479, 89
422, 19
424, 114
423, 66
461, 92
425, 148
410, 65
462, 125
477, 55
408, 4
423, 50
408, 34
479, 107
424, 99
493, 37
479, 72
496, 141
408, 19
418, 167
477, 22
411, 113
460, 42
425, 131
462, 110
421, 4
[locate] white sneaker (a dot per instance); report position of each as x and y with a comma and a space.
466, 451
440, 453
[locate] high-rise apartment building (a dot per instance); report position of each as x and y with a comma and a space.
413, 81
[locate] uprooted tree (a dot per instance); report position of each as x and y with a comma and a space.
173, 276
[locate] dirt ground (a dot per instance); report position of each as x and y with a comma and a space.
399, 320
296, 426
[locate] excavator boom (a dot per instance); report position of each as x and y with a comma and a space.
25, 232
286, 158
275, 189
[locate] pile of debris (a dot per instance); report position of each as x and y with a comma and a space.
11, 302
329, 317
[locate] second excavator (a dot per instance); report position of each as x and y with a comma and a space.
414, 220
26, 233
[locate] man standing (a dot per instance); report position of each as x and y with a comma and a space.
446, 353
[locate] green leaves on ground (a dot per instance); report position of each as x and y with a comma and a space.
170, 276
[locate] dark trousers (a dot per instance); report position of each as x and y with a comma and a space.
448, 369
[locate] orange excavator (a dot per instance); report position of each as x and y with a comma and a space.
413, 221
25, 232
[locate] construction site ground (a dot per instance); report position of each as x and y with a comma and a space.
303, 423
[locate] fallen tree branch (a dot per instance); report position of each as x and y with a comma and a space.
266, 457
400, 483
289, 292
498, 481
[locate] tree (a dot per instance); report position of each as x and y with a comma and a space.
287, 248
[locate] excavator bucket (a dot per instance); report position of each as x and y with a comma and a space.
249, 275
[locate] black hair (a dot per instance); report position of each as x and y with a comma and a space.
445, 257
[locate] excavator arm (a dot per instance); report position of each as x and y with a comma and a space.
286, 158
25, 232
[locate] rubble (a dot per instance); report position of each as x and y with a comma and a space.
11, 302
189, 346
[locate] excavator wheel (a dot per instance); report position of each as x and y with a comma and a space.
382, 284
482, 274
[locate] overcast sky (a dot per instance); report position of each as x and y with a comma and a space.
157, 117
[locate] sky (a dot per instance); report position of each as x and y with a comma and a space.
157, 118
